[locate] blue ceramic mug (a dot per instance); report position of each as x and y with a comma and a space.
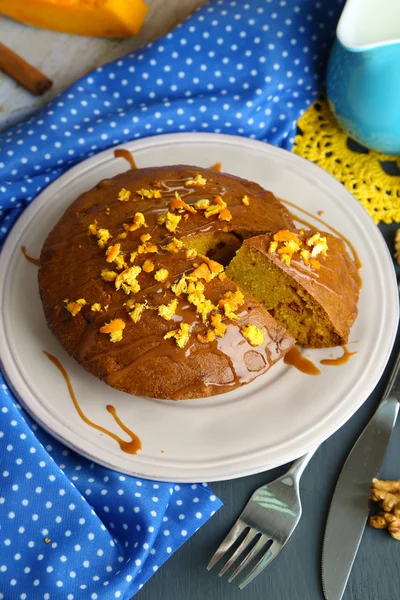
363, 78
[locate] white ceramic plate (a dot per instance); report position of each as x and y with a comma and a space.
278, 417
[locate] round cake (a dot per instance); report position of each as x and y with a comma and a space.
133, 285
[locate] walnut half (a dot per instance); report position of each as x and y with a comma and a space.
387, 493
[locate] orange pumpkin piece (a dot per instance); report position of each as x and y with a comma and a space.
104, 18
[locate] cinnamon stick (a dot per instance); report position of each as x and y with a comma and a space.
20, 70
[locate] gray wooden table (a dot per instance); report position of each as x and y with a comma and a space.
295, 574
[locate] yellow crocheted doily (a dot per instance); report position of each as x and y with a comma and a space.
365, 173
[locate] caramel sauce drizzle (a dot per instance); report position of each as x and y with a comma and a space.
216, 167
340, 360
122, 153
312, 227
31, 259
297, 360
131, 447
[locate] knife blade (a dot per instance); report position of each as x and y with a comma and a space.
349, 507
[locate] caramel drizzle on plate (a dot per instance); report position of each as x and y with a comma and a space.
297, 360
340, 360
130, 447
122, 153
29, 258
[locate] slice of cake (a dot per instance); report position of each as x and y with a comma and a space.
306, 280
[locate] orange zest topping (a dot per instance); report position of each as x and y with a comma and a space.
202, 204
75, 307
148, 266
161, 275
103, 236
230, 302
92, 229
202, 272
147, 248
151, 193
124, 195
253, 334
198, 181
208, 337
114, 328
181, 335
225, 215
138, 221
112, 252
113, 325
214, 266
246, 200
219, 327
179, 204
174, 246
107, 275
286, 236
286, 244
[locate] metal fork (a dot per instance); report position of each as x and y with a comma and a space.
267, 522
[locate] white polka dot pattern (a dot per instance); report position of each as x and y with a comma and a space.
243, 67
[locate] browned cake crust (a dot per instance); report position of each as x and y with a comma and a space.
219, 352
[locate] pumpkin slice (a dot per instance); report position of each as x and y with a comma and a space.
104, 18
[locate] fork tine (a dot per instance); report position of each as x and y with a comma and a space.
232, 536
268, 557
246, 540
261, 542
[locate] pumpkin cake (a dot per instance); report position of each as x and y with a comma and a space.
133, 285
306, 280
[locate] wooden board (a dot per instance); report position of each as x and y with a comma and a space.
65, 58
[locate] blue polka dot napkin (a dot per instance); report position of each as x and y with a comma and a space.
70, 529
